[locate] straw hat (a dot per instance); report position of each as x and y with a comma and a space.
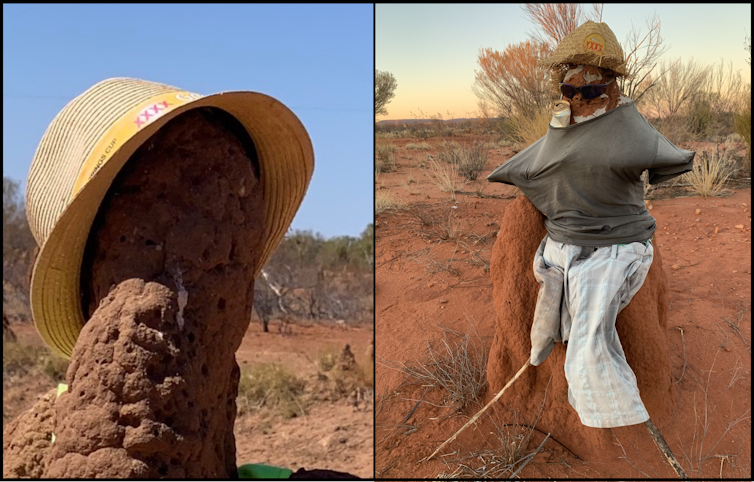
590, 44
87, 144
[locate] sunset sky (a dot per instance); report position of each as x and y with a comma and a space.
432, 50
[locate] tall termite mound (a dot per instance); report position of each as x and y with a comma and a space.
641, 326
167, 280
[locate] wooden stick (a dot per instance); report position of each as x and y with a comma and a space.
660, 442
479, 414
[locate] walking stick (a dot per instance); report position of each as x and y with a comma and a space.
479, 414
660, 442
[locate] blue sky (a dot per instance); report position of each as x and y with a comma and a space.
316, 59
432, 50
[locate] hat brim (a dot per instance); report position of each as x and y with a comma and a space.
286, 159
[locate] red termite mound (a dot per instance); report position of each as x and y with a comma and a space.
168, 280
641, 326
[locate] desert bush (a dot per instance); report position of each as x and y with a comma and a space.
385, 135
524, 130
742, 123
423, 145
470, 160
327, 357
271, 386
384, 202
385, 157
457, 365
711, 172
511, 81
410, 187
446, 177
434, 223
21, 359
700, 119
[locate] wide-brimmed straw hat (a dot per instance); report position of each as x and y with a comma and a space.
88, 143
591, 43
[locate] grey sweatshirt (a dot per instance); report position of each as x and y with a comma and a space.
586, 178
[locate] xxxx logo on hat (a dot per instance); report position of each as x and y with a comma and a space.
594, 43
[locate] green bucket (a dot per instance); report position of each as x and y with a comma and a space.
259, 471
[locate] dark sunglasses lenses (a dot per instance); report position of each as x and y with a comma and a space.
568, 90
587, 91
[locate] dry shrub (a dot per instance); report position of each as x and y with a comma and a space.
338, 379
410, 187
21, 359
524, 130
327, 358
711, 172
470, 160
742, 123
458, 367
271, 386
435, 223
385, 157
384, 202
446, 177
423, 145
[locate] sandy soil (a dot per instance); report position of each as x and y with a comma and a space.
336, 436
423, 282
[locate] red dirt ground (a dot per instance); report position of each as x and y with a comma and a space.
707, 258
333, 436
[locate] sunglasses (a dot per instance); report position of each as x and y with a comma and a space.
589, 91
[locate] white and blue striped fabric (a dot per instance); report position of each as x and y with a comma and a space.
582, 291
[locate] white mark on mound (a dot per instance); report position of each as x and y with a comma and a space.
592, 77
604, 96
573, 72
623, 100
182, 297
598, 112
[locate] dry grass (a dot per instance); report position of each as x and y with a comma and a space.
711, 172
384, 202
692, 458
423, 145
433, 222
469, 160
524, 130
272, 387
458, 367
703, 416
509, 454
445, 177
410, 185
378, 181
20, 359
385, 157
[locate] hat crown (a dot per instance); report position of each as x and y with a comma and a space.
70, 139
591, 43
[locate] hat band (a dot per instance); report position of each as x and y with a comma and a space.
126, 127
